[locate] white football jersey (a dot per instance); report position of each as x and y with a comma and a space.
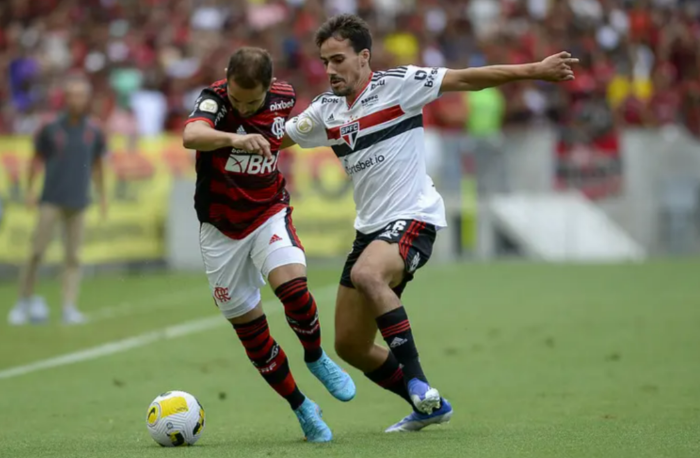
380, 142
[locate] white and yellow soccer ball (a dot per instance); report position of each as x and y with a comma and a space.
175, 418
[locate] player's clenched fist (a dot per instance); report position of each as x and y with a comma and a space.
253, 143
556, 68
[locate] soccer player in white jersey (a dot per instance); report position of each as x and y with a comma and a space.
373, 122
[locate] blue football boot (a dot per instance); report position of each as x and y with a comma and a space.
425, 398
315, 429
336, 380
417, 421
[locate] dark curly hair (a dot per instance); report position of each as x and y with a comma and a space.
346, 27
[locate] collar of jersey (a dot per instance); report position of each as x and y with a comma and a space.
369, 80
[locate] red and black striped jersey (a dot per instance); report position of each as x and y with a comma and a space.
238, 191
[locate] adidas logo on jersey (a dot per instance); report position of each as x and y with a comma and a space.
241, 131
281, 105
275, 238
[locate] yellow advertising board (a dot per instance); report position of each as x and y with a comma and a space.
138, 182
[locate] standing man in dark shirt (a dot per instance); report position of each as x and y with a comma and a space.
71, 150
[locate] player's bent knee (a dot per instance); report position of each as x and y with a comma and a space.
366, 278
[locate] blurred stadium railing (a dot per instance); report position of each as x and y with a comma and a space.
648, 187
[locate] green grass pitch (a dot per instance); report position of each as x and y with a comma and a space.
538, 361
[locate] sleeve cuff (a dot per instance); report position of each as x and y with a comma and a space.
207, 120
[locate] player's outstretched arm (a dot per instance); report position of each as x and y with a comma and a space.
200, 136
555, 68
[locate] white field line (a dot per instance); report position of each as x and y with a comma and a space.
171, 332
150, 304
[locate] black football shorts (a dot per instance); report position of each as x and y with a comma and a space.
415, 240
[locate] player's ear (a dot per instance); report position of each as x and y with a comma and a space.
364, 57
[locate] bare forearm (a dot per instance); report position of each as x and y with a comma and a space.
203, 138
496, 75
555, 68
474, 79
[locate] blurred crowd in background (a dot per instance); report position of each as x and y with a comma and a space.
148, 59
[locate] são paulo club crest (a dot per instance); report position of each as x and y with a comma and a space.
349, 132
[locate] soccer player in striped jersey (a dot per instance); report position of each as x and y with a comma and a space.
373, 122
246, 230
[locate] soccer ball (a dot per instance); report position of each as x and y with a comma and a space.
175, 418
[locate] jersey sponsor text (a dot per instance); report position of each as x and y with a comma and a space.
237, 191
251, 164
380, 140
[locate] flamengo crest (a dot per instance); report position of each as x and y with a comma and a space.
278, 128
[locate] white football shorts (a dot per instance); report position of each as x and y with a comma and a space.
237, 269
